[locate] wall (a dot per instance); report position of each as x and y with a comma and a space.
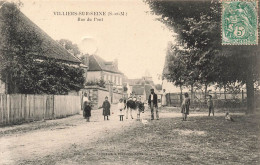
20, 108
109, 76
97, 96
116, 97
93, 75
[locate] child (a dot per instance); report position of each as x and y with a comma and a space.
87, 110
228, 117
106, 108
140, 107
130, 104
185, 107
84, 99
121, 106
210, 105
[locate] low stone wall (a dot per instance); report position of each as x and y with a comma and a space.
97, 96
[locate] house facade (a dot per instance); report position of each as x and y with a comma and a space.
99, 69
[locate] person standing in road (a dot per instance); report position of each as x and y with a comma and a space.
152, 101
106, 108
140, 107
120, 107
185, 107
164, 103
87, 110
210, 105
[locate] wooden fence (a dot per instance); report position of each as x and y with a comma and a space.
220, 100
19, 108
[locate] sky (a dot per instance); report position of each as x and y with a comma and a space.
136, 39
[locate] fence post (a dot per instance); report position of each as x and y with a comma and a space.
170, 99
53, 107
242, 96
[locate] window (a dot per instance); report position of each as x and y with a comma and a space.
120, 81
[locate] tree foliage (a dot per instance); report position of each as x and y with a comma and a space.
23, 70
198, 25
68, 45
158, 87
100, 83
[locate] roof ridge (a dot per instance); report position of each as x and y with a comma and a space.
94, 56
53, 46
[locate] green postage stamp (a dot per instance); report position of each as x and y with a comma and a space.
239, 22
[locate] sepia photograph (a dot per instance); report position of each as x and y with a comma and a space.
142, 82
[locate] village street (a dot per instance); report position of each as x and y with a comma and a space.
56, 137
39, 139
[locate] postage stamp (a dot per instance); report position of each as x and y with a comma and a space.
239, 22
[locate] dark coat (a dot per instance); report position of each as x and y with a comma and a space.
106, 108
87, 110
154, 100
140, 106
131, 104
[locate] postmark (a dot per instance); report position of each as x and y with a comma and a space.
239, 22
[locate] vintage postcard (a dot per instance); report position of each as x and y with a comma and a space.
129, 82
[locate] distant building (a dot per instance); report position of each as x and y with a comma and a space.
99, 69
139, 90
148, 91
142, 86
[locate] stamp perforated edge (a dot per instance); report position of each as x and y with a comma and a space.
257, 18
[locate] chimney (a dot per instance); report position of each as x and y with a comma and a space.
116, 63
85, 60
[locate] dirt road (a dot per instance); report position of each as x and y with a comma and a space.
40, 139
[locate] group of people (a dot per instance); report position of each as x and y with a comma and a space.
185, 107
135, 103
130, 104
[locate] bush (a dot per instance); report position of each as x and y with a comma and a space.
101, 83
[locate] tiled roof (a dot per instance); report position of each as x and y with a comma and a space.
132, 82
138, 89
50, 47
96, 63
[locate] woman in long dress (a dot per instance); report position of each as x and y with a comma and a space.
164, 101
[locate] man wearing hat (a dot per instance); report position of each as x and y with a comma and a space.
152, 101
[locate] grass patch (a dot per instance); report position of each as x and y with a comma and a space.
201, 140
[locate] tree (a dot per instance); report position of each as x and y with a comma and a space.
22, 70
158, 87
68, 45
197, 24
